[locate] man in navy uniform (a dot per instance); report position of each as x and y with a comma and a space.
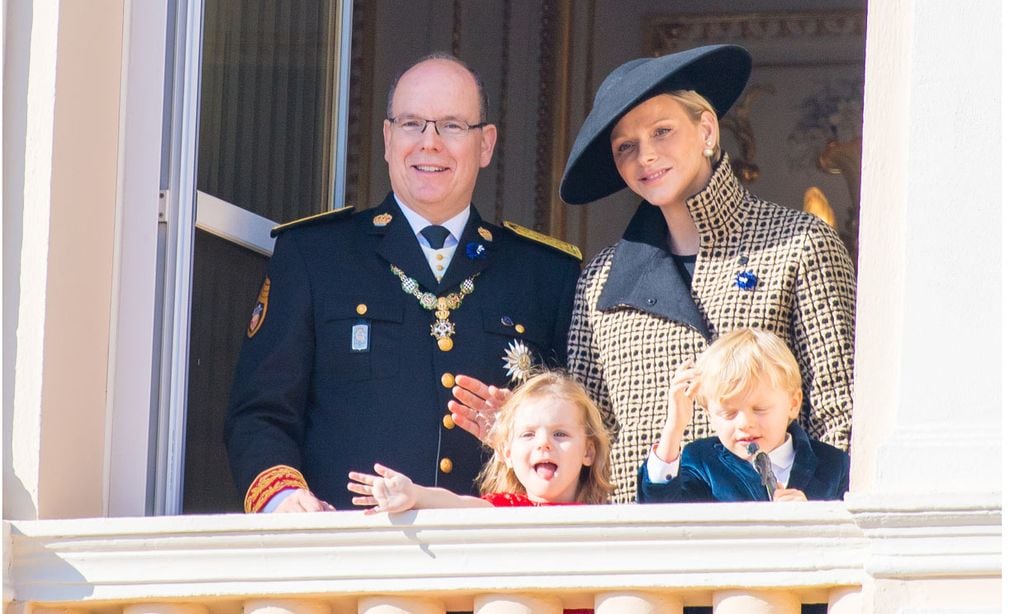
364, 318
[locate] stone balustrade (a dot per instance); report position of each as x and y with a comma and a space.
651, 559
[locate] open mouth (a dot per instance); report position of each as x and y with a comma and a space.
652, 177
427, 168
545, 470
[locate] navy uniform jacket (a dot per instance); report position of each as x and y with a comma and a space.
306, 397
709, 472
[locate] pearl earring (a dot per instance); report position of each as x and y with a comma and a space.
708, 151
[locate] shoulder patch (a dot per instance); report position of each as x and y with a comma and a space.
334, 214
543, 239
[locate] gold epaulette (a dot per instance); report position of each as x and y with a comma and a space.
543, 239
319, 217
270, 482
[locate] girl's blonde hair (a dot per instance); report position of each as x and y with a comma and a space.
695, 105
595, 483
740, 359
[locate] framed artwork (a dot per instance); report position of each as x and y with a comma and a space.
794, 136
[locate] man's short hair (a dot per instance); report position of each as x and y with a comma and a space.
441, 55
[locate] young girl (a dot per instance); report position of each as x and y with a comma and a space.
550, 448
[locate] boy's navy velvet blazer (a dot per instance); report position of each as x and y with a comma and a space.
710, 472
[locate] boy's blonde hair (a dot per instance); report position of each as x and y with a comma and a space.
741, 358
595, 484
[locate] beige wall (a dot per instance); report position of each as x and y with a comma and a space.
66, 106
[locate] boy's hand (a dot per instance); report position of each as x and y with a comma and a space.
476, 405
388, 491
682, 391
788, 494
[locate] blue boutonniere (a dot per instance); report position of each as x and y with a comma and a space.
475, 251
746, 280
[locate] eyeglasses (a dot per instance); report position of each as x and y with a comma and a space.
447, 128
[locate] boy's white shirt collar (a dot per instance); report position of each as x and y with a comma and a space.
782, 459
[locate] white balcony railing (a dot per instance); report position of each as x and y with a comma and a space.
745, 557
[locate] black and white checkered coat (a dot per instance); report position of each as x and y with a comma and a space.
634, 320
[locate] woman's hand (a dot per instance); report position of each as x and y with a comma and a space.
476, 405
388, 491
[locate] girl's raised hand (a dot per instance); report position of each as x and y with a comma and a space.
388, 491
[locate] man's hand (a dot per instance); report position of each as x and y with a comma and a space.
388, 491
476, 405
303, 500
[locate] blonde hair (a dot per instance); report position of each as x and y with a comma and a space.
595, 484
740, 359
696, 105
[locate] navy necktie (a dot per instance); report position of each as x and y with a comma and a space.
435, 235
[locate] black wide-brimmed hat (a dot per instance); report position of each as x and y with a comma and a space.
716, 72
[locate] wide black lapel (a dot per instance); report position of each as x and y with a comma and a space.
398, 244
747, 479
801, 476
485, 241
644, 275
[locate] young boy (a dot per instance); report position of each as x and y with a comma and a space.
750, 384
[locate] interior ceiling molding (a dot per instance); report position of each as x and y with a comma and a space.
671, 33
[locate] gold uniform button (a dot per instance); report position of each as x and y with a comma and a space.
449, 422
440, 267
440, 256
446, 465
520, 329
361, 309
447, 380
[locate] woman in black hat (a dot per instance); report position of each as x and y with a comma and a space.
701, 256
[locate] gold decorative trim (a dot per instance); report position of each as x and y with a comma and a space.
269, 483
309, 219
543, 239
668, 34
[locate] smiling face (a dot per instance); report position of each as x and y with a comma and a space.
431, 174
657, 148
760, 414
548, 449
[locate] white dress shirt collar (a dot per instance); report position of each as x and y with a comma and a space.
455, 225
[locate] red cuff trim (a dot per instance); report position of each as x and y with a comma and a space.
269, 483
